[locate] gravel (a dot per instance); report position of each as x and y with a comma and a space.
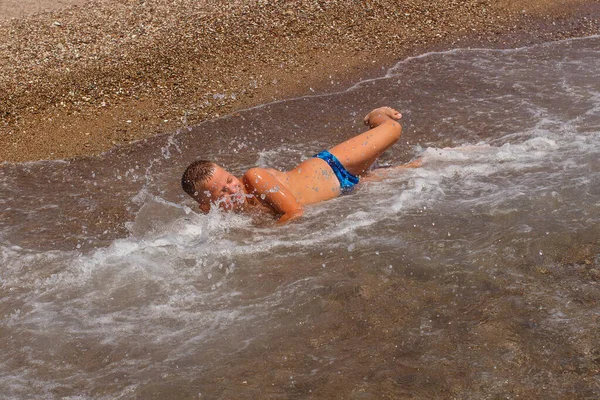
82, 79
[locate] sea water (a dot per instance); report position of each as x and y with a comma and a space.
475, 276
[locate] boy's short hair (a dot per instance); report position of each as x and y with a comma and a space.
195, 174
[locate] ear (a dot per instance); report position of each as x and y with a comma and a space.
204, 207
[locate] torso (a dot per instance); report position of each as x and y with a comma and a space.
310, 182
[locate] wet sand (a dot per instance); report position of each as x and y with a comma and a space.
82, 77
467, 294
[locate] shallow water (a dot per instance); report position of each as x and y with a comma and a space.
475, 276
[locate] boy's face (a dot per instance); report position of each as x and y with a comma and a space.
224, 189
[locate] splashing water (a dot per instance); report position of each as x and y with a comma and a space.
475, 275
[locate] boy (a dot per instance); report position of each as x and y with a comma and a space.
322, 177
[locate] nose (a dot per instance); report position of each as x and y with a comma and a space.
233, 187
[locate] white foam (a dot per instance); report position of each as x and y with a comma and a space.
177, 265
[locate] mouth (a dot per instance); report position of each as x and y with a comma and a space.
238, 196
232, 201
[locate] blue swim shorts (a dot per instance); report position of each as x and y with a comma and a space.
347, 180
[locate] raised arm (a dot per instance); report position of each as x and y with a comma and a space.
269, 190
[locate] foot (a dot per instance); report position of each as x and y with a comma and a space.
380, 115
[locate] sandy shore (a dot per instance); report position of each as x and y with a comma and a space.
18, 8
77, 78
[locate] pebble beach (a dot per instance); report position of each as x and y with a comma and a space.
80, 77
475, 276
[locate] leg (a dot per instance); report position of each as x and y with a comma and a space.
381, 173
360, 152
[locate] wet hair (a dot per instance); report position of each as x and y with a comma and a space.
195, 174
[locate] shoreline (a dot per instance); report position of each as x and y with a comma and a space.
74, 87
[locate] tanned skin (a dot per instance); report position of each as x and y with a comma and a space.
312, 181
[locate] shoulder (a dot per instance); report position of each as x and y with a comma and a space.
262, 173
257, 179
255, 170
255, 173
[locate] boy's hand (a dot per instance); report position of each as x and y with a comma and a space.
380, 115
